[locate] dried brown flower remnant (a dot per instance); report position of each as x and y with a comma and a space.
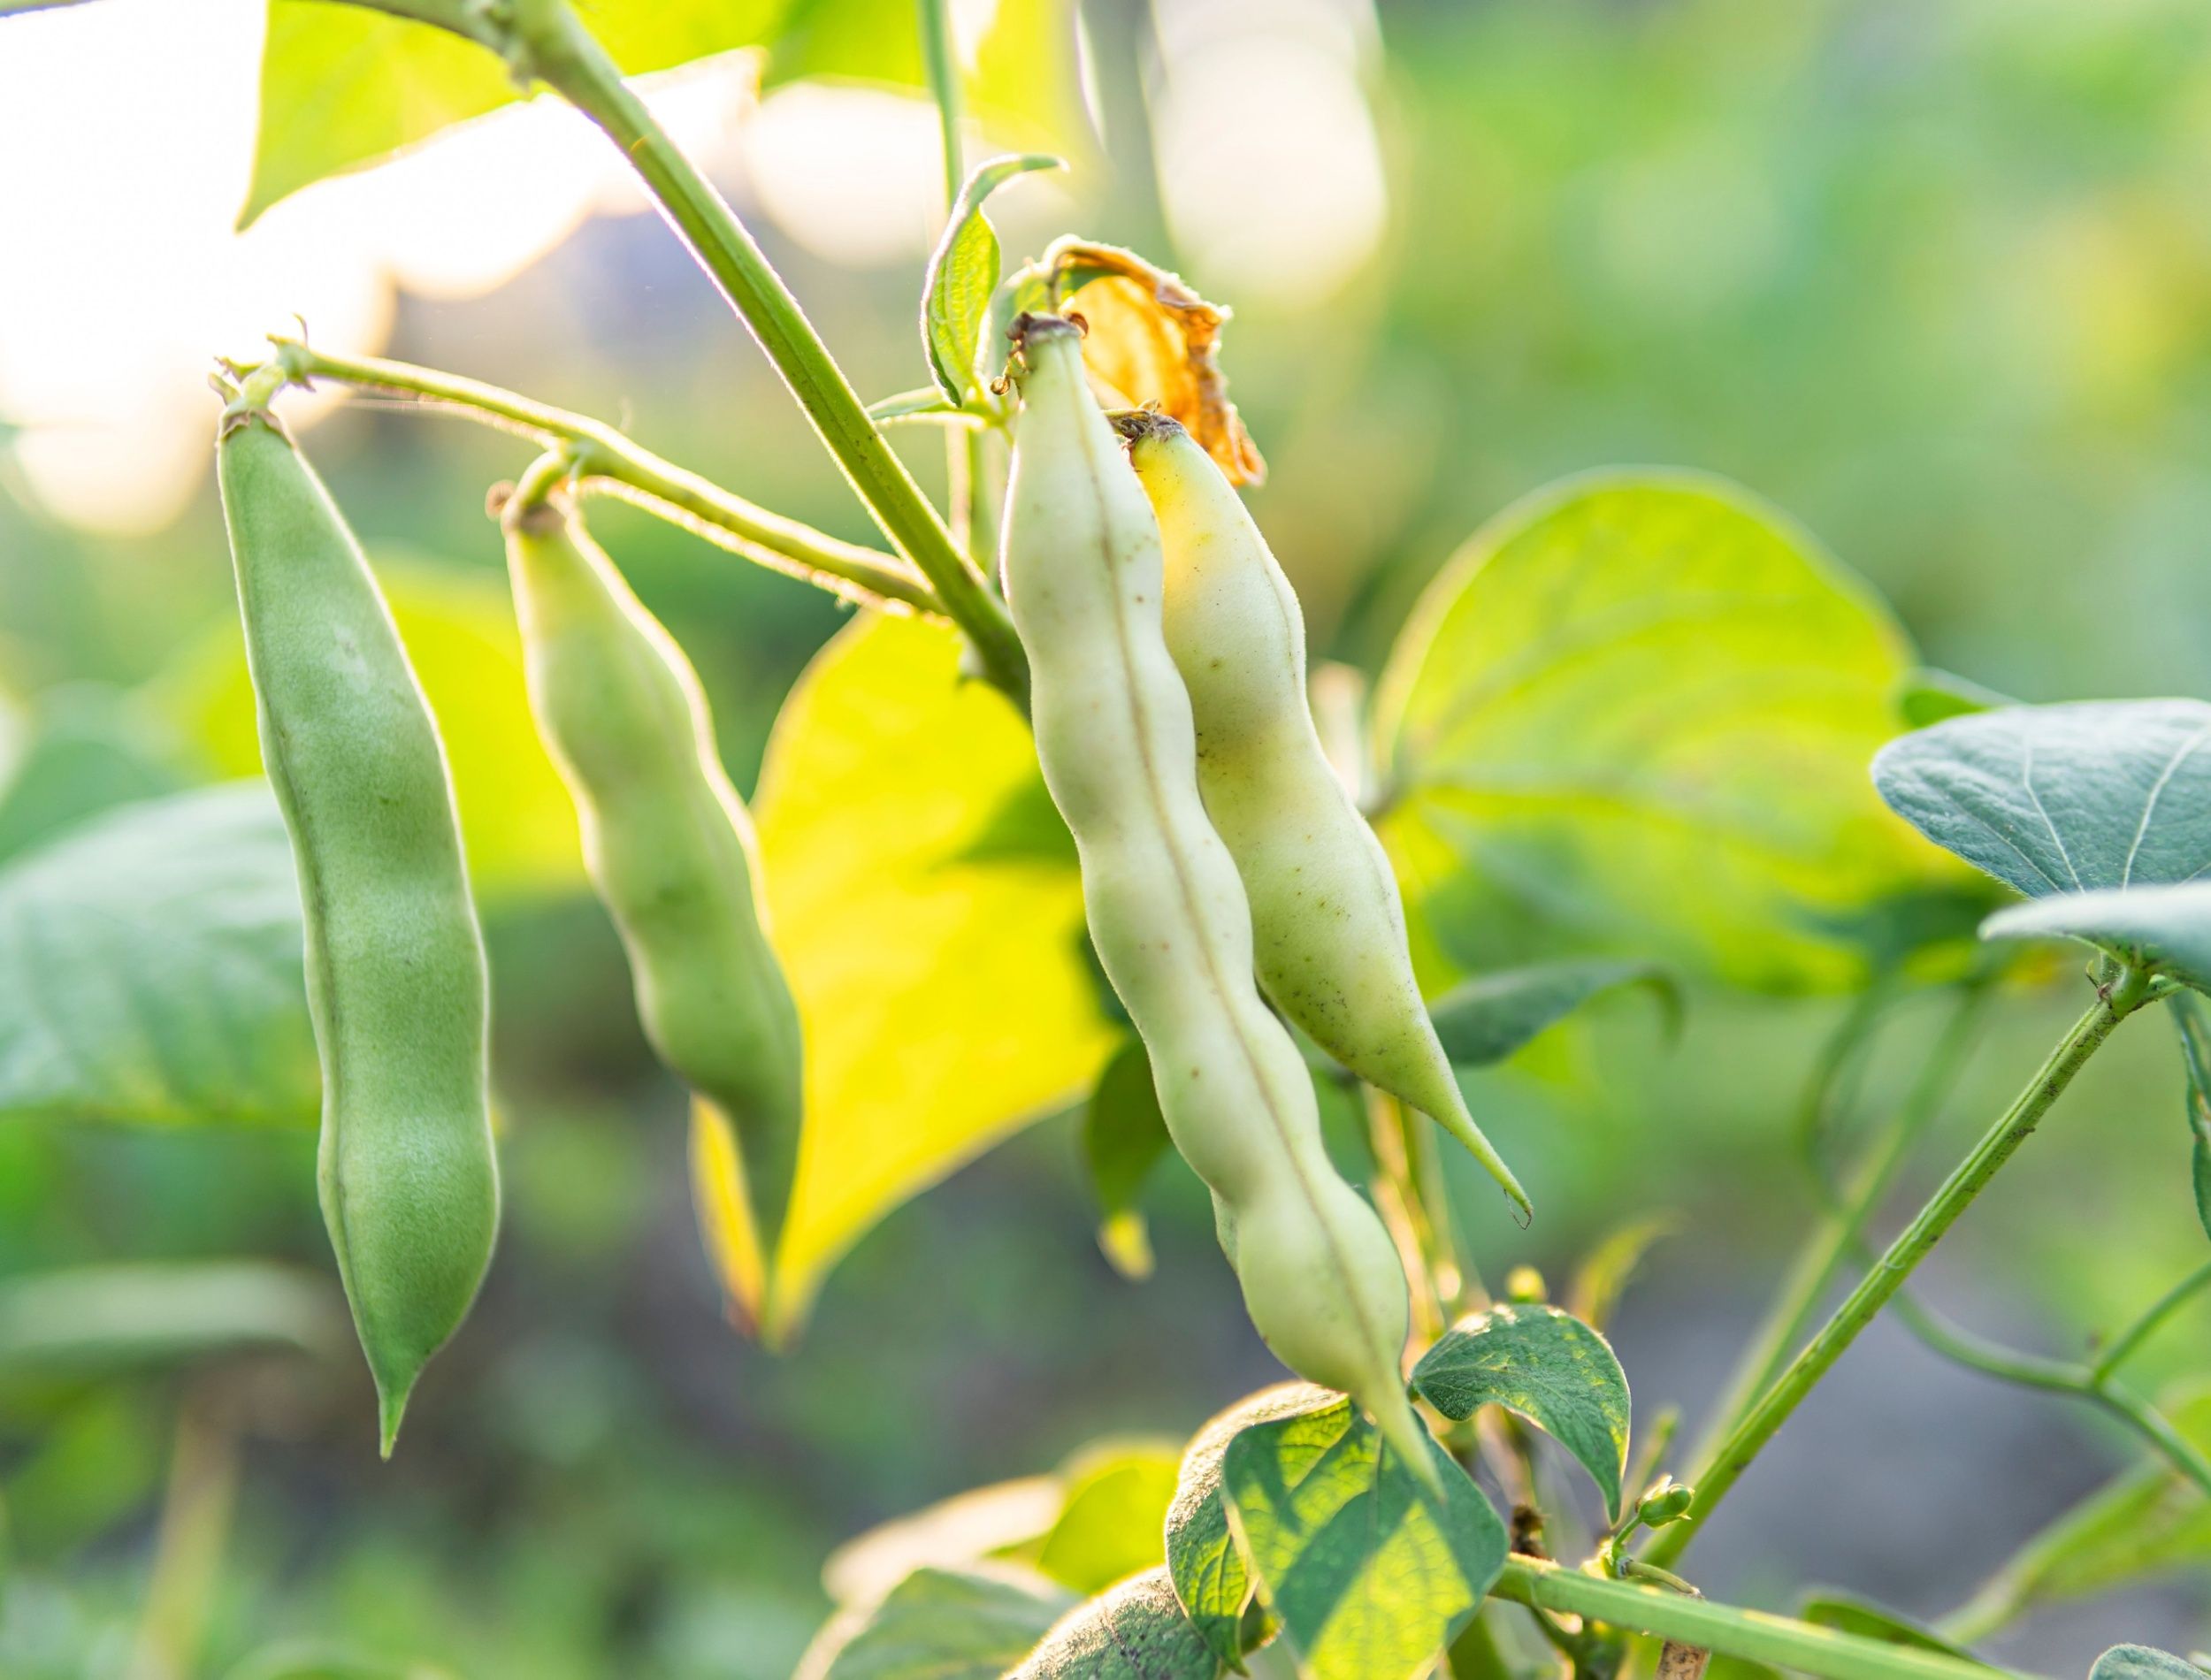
1155, 343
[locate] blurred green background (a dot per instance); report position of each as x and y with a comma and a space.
1933, 275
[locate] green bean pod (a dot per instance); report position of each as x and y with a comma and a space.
1321, 1278
395, 973
1328, 927
671, 850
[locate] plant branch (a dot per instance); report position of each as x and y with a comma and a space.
2123, 1345
546, 40
609, 463
2113, 1002
1821, 1653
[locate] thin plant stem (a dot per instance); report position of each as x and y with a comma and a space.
547, 39
1820, 1261
2113, 1002
1797, 1646
610, 464
2123, 1345
188, 1547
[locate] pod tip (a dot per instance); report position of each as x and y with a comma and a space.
391, 1406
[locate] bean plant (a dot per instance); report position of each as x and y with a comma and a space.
1288, 897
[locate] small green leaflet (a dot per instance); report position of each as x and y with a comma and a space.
2062, 799
1929, 696
2167, 929
2195, 1060
1124, 1137
1846, 1614
1491, 1016
1545, 1364
1136, 1632
1117, 1496
963, 273
2139, 1662
1369, 1574
1209, 1573
938, 1624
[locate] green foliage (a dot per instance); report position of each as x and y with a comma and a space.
1633, 717
2139, 1662
344, 85
124, 1314
2165, 930
2071, 798
1111, 1526
296, 1662
1124, 1136
939, 1624
1487, 1018
1368, 1572
85, 751
1846, 1614
153, 971
1135, 1632
1545, 1364
1930, 696
1209, 1571
962, 276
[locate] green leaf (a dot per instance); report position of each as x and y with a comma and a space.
1124, 1136
2195, 1061
1025, 87
151, 969
1930, 696
1846, 1614
101, 1317
2062, 799
1632, 718
2164, 929
962, 275
1369, 1573
938, 1624
1138, 1631
926, 403
1545, 1364
87, 753
996, 1520
342, 85
944, 1000
296, 1661
1210, 1575
1114, 1516
2139, 1662
1488, 1018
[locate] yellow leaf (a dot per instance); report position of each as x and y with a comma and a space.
938, 969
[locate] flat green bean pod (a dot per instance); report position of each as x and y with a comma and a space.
395, 973
1321, 1278
1328, 927
671, 851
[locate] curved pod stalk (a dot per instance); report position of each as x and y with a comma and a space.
1321, 1278
671, 851
395, 974
1327, 926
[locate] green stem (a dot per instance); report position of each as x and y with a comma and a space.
549, 41
2124, 1344
1820, 1261
966, 461
1821, 1653
612, 464
1874, 1291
